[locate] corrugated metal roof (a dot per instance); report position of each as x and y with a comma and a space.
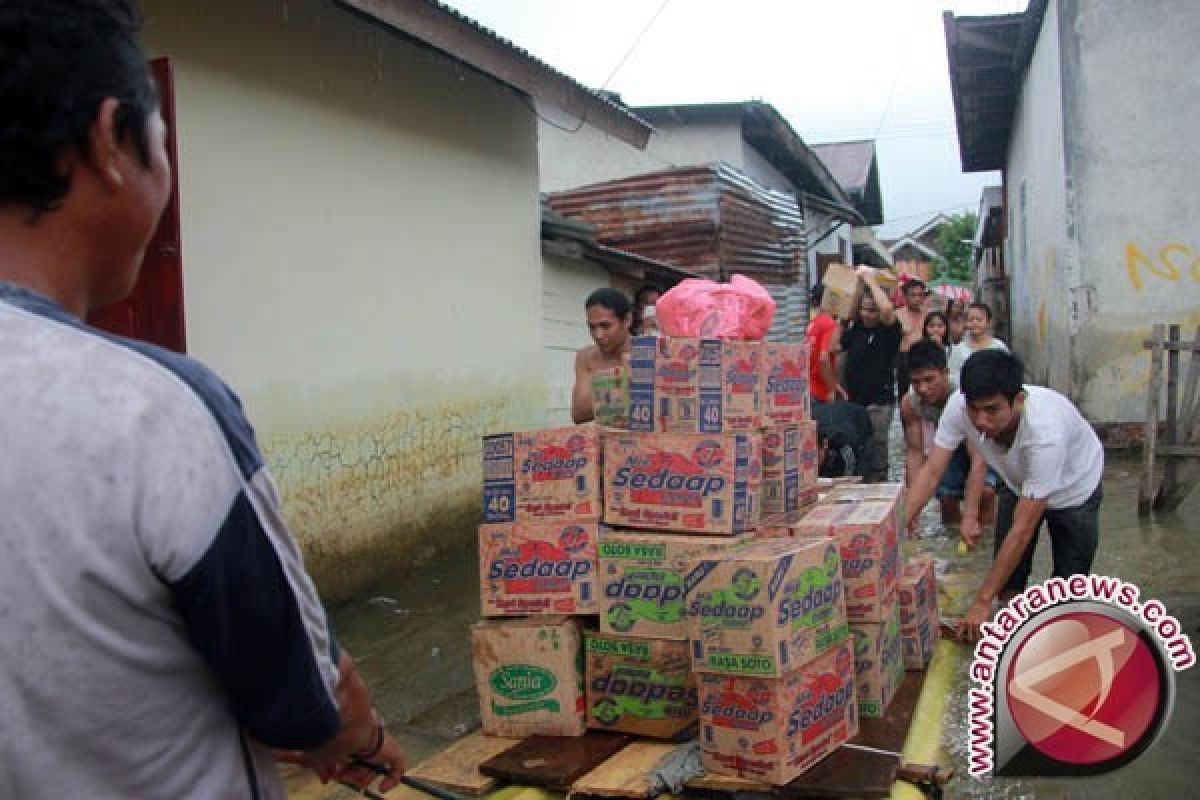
710, 219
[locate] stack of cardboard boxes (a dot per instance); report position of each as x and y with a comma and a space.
704, 449
537, 563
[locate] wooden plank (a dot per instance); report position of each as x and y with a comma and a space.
716, 782
846, 773
1146, 486
1189, 409
627, 774
554, 762
1179, 450
457, 767
1170, 465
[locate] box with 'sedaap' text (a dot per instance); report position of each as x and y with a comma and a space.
766, 609
528, 568
642, 589
866, 536
551, 474
785, 383
639, 686
687, 482
774, 729
878, 664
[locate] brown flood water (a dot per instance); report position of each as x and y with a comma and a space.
411, 639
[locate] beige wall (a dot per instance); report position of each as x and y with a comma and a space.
566, 284
361, 262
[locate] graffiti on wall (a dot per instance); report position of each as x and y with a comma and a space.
1171, 262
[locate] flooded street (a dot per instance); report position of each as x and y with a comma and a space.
412, 642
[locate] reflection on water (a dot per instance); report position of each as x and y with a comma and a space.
411, 639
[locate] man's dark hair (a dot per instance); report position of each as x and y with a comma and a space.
915, 283
643, 291
612, 299
926, 354
817, 294
984, 307
59, 59
988, 373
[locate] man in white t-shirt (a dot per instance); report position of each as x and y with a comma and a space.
1051, 463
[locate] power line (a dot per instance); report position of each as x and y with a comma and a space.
896, 77
636, 42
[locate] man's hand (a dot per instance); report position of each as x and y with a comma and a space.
840, 393
979, 613
970, 530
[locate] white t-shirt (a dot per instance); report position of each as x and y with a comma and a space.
962, 351
1055, 456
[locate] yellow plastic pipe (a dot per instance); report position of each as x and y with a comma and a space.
923, 745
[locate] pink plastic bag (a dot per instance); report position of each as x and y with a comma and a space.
740, 309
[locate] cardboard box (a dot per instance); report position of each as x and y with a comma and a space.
681, 384
785, 383
639, 686
641, 589
780, 469
878, 664
772, 730
610, 397
767, 609
866, 536
548, 474
809, 452
843, 290
697, 483
781, 526
538, 568
881, 492
918, 611
528, 673
917, 643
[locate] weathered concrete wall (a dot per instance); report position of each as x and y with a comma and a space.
361, 263
1038, 247
566, 284
1133, 72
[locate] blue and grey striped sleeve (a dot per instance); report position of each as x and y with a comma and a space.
213, 530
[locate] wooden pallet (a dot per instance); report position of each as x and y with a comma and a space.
457, 767
554, 762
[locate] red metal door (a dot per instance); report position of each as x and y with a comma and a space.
153, 311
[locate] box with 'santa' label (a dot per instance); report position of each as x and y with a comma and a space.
639, 686
547, 474
529, 676
774, 729
878, 664
698, 483
538, 568
785, 383
866, 536
641, 589
766, 609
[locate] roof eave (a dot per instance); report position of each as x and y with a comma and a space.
461, 39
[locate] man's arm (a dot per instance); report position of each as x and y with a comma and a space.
1026, 517
582, 409
914, 440
921, 489
830, 346
887, 312
971, 530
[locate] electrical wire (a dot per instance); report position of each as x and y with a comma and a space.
637, 41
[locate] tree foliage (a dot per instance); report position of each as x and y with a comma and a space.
954, 239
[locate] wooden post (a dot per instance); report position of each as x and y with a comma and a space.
1170, 464
1146, 488
1187, 434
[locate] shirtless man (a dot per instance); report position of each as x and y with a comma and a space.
912, 320
608, 317
967, 476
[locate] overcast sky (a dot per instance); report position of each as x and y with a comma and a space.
837, 69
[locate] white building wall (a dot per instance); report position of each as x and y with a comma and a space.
361, 263
566, 285
1037, 228
1133, 77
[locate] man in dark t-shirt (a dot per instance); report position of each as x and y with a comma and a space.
869, 345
